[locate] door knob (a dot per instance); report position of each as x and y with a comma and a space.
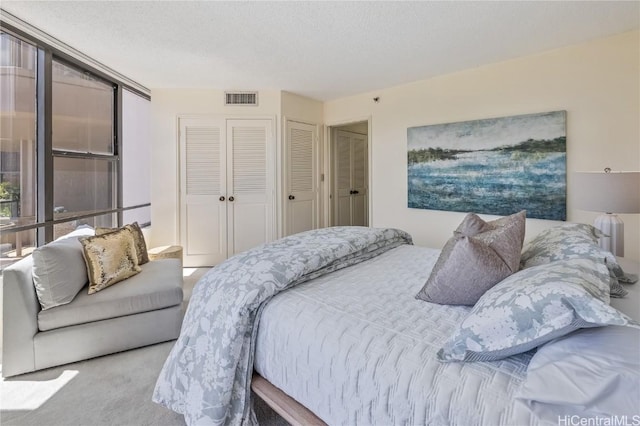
231, 198
291, 197
355, 191
221, 198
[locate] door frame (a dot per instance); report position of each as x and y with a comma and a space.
329, 132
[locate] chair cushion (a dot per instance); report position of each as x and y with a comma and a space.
158, 286
59, 270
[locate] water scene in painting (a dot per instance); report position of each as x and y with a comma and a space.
496, 166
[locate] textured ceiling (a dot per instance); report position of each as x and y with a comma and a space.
324, 50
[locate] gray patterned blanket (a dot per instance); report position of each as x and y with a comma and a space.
207, 375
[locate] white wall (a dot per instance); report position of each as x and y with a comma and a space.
597, 83
299, 108
166, 106
136, 163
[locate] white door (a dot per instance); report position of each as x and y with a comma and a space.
350, 179
302, 191
203, 213
359, 178
342, 179
250, 184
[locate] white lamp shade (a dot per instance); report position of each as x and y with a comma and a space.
613, 192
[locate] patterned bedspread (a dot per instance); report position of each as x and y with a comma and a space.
207, 374
357, 348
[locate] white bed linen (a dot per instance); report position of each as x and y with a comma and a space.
357, 348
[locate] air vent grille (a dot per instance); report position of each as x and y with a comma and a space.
241, 98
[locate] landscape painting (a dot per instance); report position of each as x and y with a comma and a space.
495, 166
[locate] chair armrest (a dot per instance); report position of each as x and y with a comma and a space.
19, 319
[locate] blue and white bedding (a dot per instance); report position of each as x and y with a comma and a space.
356, 347
208, 372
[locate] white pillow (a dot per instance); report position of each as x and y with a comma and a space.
59, 270
591, 372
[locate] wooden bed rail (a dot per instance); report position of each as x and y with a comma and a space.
290, 409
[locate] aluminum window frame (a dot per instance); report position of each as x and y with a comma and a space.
45, 153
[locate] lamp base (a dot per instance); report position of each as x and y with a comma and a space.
613, 228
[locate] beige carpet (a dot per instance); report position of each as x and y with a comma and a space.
109, 390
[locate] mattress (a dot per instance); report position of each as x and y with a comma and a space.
356, 348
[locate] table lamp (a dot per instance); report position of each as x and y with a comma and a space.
609, 192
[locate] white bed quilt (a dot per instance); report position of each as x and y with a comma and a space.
357, 348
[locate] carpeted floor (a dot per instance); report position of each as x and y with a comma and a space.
109, 390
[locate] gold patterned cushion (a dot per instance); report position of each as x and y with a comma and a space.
138, 238
110, 258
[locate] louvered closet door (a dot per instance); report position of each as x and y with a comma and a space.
203, 217
350, 179
250, 183
359, 177
302, 192
342, 180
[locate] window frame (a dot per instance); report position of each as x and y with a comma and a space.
45, 153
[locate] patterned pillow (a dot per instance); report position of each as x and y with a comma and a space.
138, 238
110, 258
572, 241
532, 307
477, 257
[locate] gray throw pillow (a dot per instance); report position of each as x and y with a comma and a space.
59, 270
477, 257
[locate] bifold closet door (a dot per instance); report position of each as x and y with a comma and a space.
350, 179
359, 178
342, 179
250, 184
227, 183
203, 175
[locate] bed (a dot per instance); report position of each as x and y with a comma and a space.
349, 343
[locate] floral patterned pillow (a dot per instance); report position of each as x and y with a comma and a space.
534, 306
572, 241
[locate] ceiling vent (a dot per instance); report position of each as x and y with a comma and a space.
241, 98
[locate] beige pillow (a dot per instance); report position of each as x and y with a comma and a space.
477, 257
138, 238
110, 258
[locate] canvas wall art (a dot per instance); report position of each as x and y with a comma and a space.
495, 166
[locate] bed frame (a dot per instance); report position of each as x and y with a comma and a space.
288, 408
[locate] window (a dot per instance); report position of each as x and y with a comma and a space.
17, 145
91, 168
82, 111
84, 163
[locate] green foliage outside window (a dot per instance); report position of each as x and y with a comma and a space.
8, 192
